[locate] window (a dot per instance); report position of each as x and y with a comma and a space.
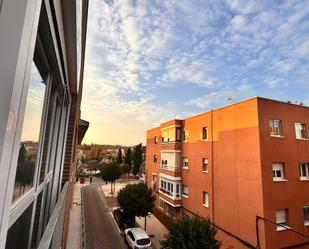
18, 234
185, 163
178, 134
185, 191
300, 130
131, 235
185, 135
171, 211
164, 163
29, 145
278, 172
306, 216
303, 171
275, 127
205, 164
205, 133
155, 158
161, 204
155, 139
154, 182
205, 199
281, 219
177, 191
169, 188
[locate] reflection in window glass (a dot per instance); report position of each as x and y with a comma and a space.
18, 234
30, 135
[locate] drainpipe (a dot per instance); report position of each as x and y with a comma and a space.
212, 168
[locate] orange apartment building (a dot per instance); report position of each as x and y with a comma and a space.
245, 166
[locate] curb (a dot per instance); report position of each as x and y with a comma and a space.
82, 221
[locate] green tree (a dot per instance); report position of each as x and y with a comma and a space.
110, 173
136, 200
128, 161
119, 156
137, 158
191, 233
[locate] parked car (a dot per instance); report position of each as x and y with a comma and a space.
122, 219
137, 238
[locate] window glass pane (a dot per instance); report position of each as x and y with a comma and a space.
28, 151
18, 234
36, 224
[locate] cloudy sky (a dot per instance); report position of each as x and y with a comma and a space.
151, 61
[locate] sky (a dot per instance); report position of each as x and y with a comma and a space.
34, 107
151, 61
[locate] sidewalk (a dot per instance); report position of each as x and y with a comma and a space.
154, 228
73, 239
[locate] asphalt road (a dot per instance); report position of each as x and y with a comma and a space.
101, 230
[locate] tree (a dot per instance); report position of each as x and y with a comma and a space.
119, 156
136, 200
191, 233
128, 161
25, 168
137, 159
110, 173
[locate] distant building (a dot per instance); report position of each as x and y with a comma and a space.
42, 52
245, 166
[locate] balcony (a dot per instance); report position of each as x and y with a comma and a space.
53, 232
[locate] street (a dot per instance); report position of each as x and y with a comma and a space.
101, 231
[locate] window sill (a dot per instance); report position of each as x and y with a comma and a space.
185, 168
280, 180
306, 224
185, 196
204, 171
302, 138
278, 229
276, 136
206, 206
304, 178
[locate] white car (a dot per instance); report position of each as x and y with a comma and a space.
137, 238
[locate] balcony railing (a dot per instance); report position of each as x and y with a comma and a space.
171, 168
51, 238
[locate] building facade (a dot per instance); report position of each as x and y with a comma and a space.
245, 166
42, 48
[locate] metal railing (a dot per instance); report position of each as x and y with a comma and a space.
172, 168
51, 238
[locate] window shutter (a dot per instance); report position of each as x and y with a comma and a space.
277, 166
280, 216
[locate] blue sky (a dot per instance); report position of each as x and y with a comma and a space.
151, 61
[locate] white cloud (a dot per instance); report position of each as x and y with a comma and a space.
223, 97
138, 49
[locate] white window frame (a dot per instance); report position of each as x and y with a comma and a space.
272, 126
276, 167
203, 164
306, 175
185, 135
206, 129
281, 218
300, 133
205, 199
183, 192
169, 188
185, 163
306, 221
